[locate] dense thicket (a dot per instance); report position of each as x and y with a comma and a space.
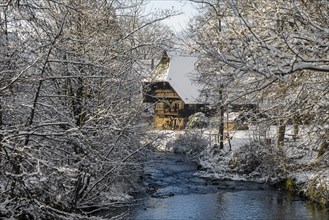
70, 108
273, 54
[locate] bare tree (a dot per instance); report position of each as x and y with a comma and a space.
71, 138
260, 50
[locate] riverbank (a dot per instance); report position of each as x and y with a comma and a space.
243, 159
175, 192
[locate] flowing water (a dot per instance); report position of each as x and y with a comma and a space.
174, 193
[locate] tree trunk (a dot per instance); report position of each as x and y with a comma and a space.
4, 23
78, 105
281, 132
221, 129
295, 127
30, 120
1, 124
324, 147
221, 120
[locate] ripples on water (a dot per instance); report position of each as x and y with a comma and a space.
180, 195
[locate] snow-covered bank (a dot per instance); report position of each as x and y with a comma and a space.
248, 159
312, 179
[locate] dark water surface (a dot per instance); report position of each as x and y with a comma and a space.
175, 193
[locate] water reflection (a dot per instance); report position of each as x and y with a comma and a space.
193, 199
231, 205
266, 204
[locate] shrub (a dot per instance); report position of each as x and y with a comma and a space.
197, 120
189, 143
257, 158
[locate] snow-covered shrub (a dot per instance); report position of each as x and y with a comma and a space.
197, 120
159, 140
188, 143
317, 188
255, 159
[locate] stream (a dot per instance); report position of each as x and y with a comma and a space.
174, 192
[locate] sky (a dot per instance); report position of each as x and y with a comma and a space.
178, 22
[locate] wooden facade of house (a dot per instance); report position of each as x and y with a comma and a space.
172, 92
170, 111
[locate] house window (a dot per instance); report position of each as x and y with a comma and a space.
176, 106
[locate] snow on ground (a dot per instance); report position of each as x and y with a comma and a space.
215, 162
163, 137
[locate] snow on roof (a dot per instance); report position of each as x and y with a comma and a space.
180, 73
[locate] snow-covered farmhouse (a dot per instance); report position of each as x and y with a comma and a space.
174, 94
